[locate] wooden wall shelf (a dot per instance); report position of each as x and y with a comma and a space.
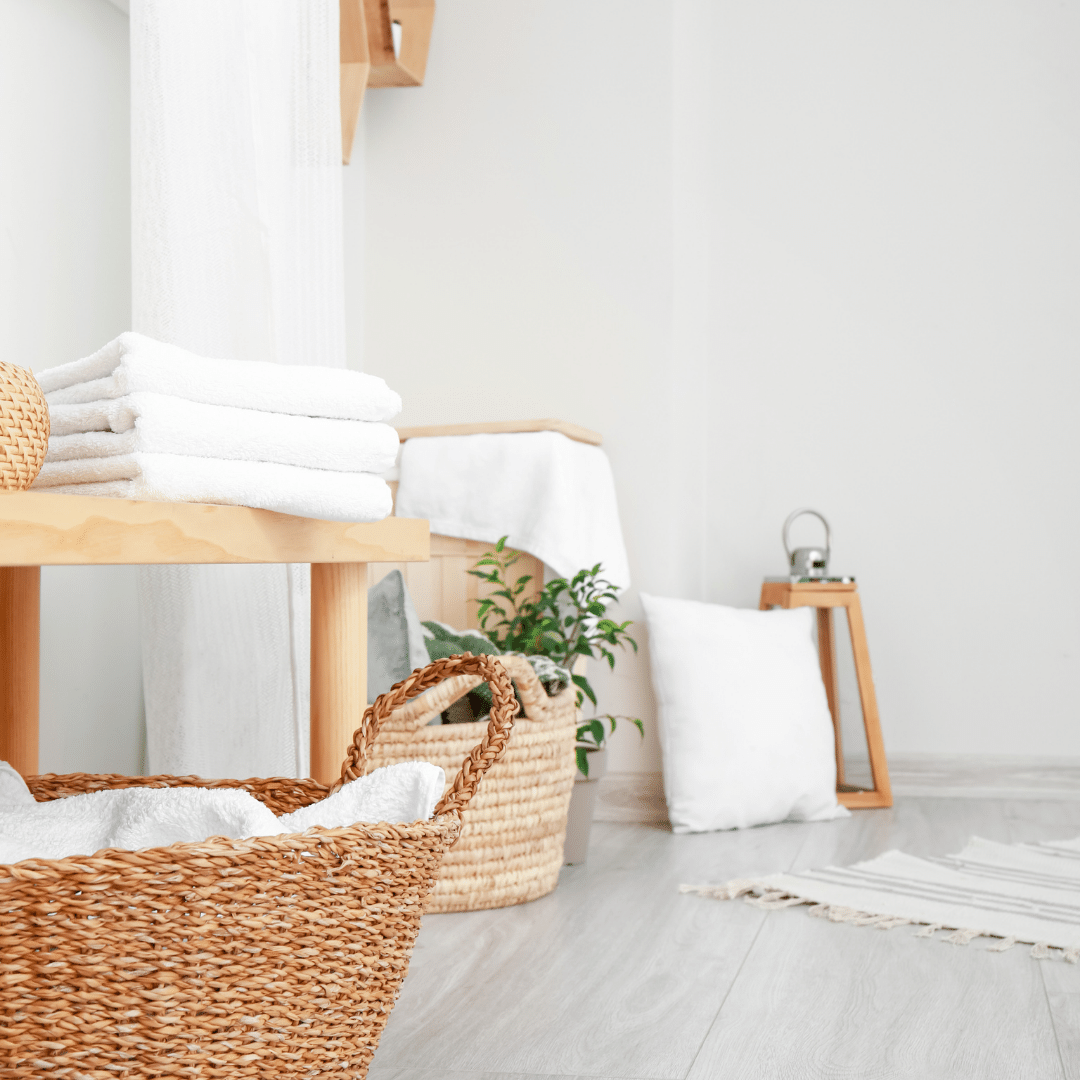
368, 56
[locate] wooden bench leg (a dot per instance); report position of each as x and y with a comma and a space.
338, 662
20, 637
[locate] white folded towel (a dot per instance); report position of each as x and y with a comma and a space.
314, 493
141, 817
133, 363
159, 424
552, 496
404, 792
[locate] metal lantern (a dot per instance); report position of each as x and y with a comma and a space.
807, 562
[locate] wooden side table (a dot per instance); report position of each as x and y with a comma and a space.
825, 596
38, 529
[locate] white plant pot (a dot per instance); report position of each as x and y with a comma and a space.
582, 805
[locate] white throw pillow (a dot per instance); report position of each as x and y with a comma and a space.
744, 722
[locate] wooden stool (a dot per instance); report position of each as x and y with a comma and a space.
825, 596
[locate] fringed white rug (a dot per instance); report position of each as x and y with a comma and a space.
1012, 892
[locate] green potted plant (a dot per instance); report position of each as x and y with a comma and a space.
567, 623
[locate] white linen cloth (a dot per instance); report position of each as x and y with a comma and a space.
314, 493
141, 817
159, 424
236, 238
551, 496
134, 362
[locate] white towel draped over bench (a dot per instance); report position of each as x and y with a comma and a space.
552, 496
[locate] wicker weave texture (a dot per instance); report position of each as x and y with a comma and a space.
265, 958
511, 845
24, 427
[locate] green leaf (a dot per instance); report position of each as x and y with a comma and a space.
597, 729
638, 724
502, 543
582, 760
583, 684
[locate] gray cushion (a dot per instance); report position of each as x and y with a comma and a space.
395, 636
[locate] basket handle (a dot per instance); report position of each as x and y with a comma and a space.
534, 700
484, 754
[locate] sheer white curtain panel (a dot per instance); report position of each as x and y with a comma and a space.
236, 252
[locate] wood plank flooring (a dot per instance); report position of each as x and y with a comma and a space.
618, 976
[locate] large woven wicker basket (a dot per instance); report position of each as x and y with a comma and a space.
511, 847
265, 958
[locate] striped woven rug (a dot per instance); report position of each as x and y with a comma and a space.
1009, 892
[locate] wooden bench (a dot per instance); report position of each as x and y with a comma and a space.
40, 529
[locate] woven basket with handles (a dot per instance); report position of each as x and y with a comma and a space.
511, 847
273, 957
24, 427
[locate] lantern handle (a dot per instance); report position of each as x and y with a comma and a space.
798, 513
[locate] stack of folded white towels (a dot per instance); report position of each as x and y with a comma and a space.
143, 420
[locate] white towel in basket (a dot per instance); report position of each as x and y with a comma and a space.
129, 818
133, 362
407, 791
160, 424
314, 493
13, 789
141, 817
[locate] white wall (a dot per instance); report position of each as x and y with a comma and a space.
896, 330
519, 252
65, 289
779, 254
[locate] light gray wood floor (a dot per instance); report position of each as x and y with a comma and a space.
616, 975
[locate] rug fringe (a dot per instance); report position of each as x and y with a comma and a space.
758, 894
735, 887
962, 937
929, 931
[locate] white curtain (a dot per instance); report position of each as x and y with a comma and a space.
236, 252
